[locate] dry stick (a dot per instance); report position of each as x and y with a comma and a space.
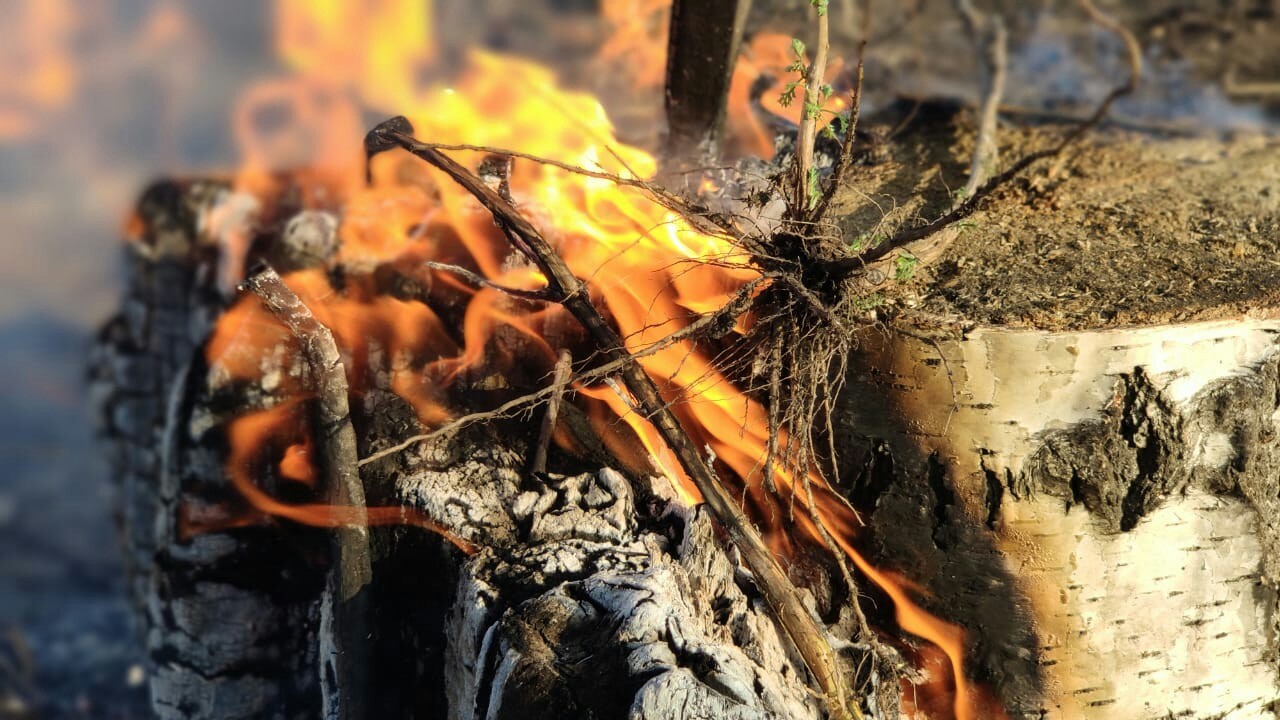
986, 152
778, 591
481, 281
344, 608
558, 383
811, 110
847, 266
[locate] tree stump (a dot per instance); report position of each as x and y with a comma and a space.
1070, 429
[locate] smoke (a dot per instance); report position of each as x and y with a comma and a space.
1059, 64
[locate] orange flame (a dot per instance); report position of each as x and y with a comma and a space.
770, 54
646, 268
37, 69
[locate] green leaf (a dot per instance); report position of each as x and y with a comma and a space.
788, 95
821, 5
864, 303
904, 266
797, 47
867, 241
815, 192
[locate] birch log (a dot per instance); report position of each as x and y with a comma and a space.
1099, 509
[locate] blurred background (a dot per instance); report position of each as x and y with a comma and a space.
97, 97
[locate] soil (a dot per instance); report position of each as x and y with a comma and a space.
1126, 228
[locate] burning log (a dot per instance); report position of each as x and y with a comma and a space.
220, 646
575, 594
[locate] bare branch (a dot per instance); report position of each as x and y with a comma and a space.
986, 32
481, 281
564, 365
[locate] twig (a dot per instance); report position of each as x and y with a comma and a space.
344, 607
811, 111
989, 34
665, 197
845, 160
481, 281
558, 383
846, 266
778, 591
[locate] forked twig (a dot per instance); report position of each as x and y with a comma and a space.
778, 591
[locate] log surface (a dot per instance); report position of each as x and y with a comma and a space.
1120, 487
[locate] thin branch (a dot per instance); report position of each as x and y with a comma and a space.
560, 380
988, 33
811, 111
344, 606
481, 281
777, 589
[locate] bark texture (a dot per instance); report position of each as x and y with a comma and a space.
593, 617
227, 616
1099, 510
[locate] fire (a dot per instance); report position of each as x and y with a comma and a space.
37, 69
636, 39
645, 266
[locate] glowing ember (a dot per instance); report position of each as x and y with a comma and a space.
645, 266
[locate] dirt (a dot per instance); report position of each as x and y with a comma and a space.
1127, 228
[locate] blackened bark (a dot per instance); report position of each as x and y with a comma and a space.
226, 616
